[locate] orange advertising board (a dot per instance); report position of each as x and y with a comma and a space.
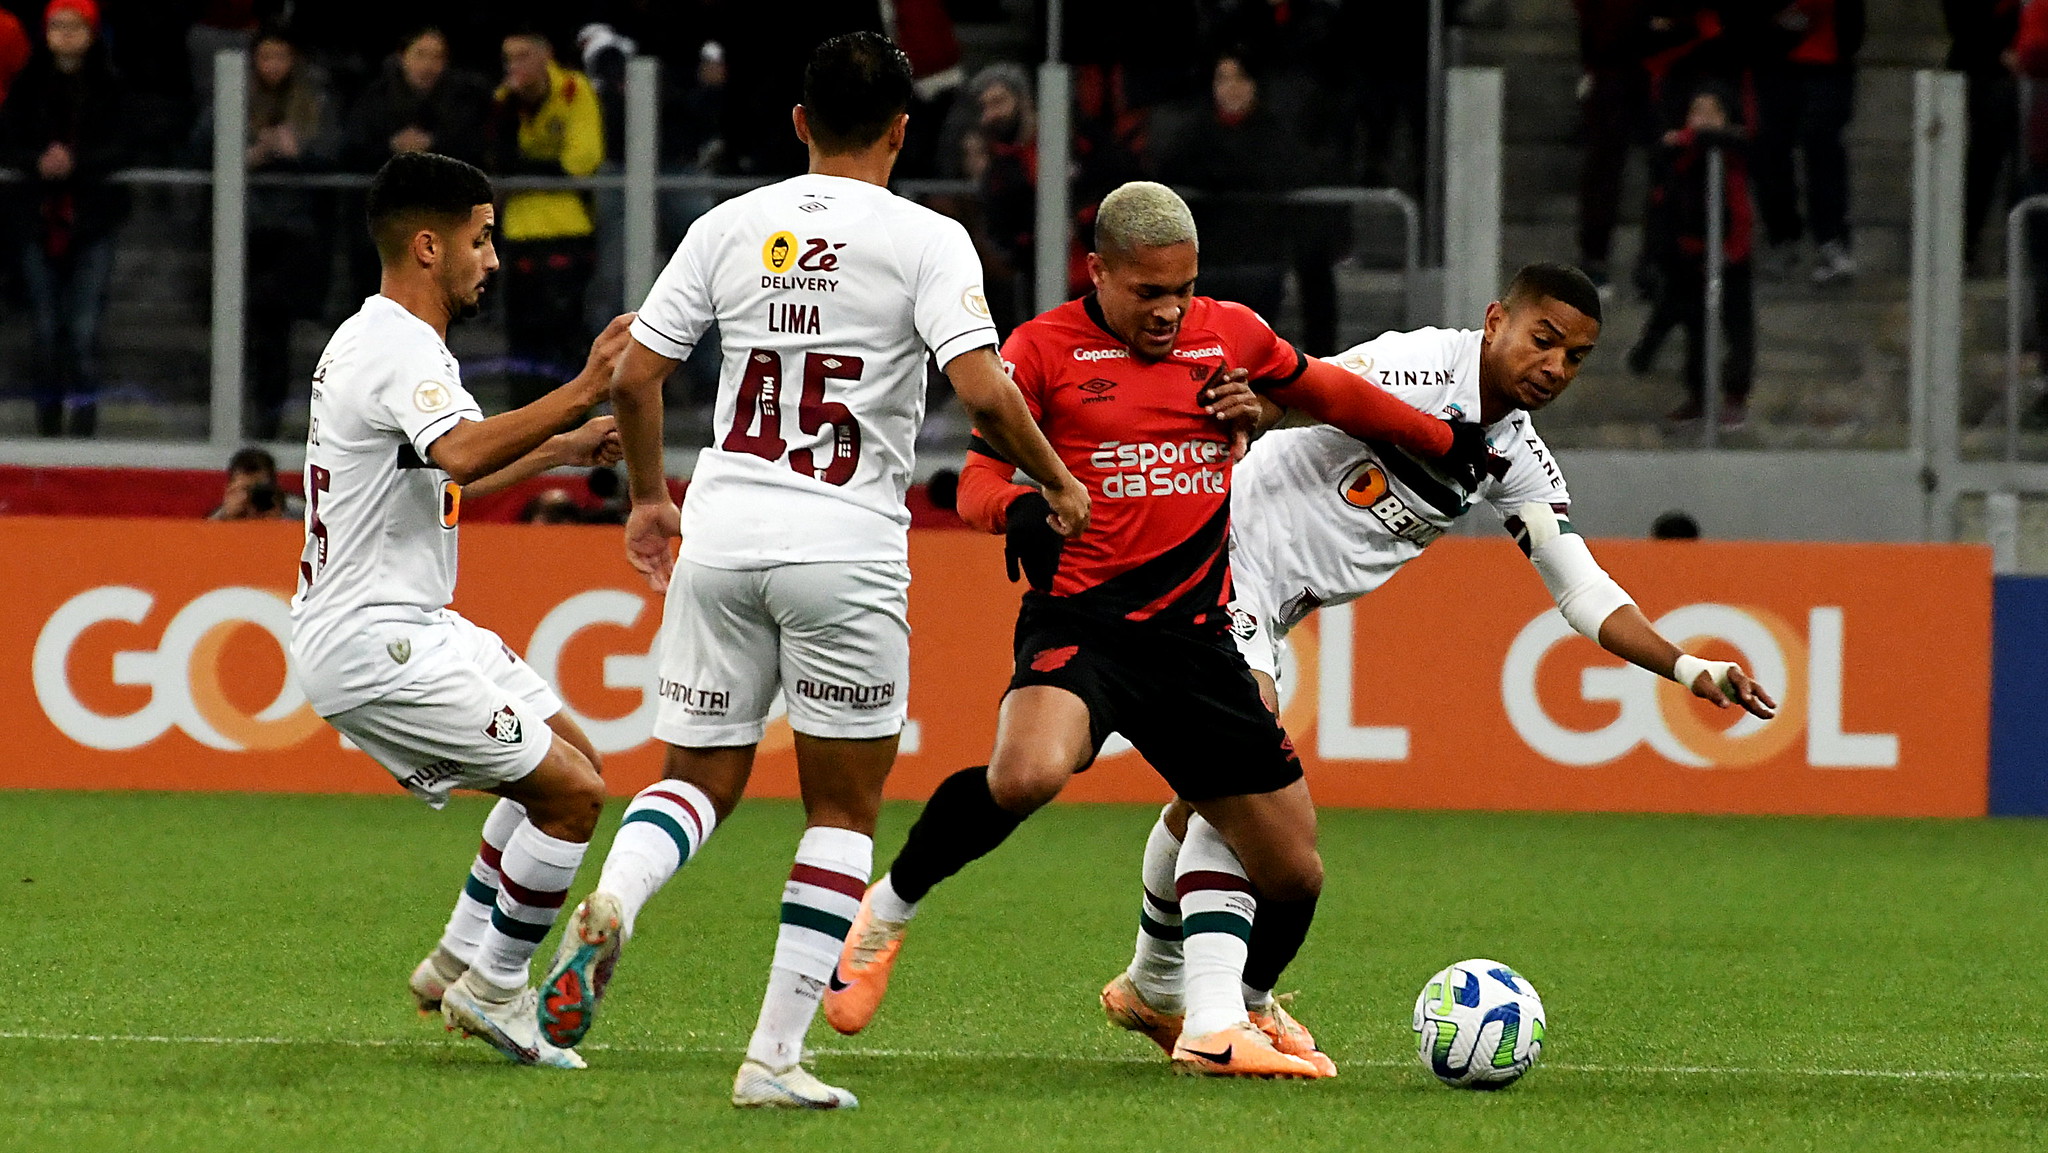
148, 654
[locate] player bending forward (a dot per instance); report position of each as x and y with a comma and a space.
1322, 518
441, 703
828, 291
1126, 627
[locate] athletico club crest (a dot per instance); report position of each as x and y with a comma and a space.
504, 727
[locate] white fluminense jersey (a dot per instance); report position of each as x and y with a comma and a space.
827, 293
1319, 517
379, 561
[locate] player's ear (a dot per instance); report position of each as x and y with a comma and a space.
897, 129
803, 124
1096, 269
426, 247
1496, 316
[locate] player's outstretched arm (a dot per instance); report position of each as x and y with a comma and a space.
654, 520
595, 443
1002, 418
1598, 608
474, 449
1362, 408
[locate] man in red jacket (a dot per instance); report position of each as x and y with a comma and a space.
1141, 387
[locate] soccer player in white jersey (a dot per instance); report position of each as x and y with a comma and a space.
394, 442
1320, 518
830, 295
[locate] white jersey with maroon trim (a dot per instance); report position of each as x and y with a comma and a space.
379, 560
1319, 517
829, 294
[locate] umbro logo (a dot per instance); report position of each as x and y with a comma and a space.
1097, 389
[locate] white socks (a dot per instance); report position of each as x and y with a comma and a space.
534, 875
818, 906
1156, 962
1217, 907
888, 905
472, 915
664, 826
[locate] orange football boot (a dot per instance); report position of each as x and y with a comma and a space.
1292, 1037
862, 976
1238, 1051
1127, 1008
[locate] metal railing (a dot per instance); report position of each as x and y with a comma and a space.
2018, 294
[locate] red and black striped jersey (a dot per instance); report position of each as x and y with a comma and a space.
1157, 466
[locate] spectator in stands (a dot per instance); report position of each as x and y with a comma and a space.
605, 54
253, 492
1231, 152
419, 104
1000, 155
61, 126
1981, 35
552, 506
1806, 86
1616, 40
2030, 56
15, 49
924, 30
1674, 237
545, 122
294, 127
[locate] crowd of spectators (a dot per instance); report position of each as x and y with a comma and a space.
1226, 98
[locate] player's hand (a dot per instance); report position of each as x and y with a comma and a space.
593, 444
1741, 691
1229, 398
1031, 545
1070, 509
1469, 460
604, 354
649, 529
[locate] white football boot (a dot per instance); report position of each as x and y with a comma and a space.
431, 978
759, 1087
509, 1025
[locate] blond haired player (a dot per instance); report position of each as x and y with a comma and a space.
830, 295
1321, 518
439, 702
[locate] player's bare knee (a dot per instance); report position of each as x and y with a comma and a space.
1023, 785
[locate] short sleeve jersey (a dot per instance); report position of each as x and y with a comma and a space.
1156, 465
380, 518
1323, 518
830, 294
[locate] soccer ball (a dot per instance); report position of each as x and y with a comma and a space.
1479, 1025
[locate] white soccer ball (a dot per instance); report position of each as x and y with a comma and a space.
1479, 1025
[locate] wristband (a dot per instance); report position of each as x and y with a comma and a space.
1687, 669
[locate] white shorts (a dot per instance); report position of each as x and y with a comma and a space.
1251, 618
833, 636
474, 716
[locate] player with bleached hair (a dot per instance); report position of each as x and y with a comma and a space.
1323, 518
1126, 626
394, 443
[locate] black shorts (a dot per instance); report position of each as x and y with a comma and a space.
1185, 700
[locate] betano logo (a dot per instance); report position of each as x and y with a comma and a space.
183, 673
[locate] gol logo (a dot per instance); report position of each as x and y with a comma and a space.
1805, 674
183, 673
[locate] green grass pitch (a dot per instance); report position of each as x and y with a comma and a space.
227, 972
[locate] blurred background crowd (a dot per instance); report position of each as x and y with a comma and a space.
1234, 101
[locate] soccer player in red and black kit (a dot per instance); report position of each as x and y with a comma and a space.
1142, 389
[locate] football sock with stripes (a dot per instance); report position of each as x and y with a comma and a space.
1217, 908
1156, 962
1282, 927
960, 824
472, 915
666, 824
818, 905
534, 875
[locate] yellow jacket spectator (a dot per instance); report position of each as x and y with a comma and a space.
547, 124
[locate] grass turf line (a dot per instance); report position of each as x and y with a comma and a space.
1698, 971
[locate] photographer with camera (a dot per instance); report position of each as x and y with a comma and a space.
252, 490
